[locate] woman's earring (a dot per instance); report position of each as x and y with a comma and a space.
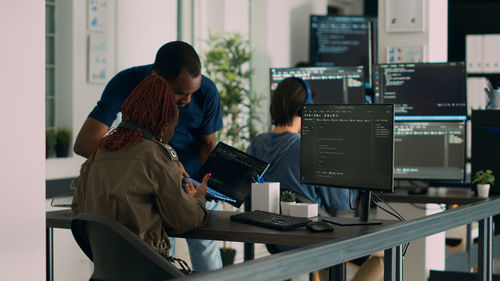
161, 138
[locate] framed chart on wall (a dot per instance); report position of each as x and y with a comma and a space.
401, 54
97, 15
405, 15
97, 58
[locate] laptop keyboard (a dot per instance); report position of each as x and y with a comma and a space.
218, 196
270, 220
212, 194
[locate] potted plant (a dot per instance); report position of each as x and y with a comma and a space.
287, 199
227, 255
227, 65
50, 143
483, 179
63, 141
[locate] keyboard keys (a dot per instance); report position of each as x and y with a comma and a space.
270, 220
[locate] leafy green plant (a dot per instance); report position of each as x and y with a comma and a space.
63, 141
484, 177
227, 64
287, 196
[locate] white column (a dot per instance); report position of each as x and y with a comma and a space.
22, 119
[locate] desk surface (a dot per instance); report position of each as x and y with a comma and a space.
437, 195
220, 227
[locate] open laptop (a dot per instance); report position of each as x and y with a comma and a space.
233, 172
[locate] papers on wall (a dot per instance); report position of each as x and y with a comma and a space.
405, 16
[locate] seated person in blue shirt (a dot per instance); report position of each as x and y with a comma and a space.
281, 148
199, 118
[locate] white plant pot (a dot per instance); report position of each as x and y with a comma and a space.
304, 210
483, 190
285, 207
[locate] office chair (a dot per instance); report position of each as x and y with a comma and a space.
117, 252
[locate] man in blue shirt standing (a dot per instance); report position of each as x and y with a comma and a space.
199, 118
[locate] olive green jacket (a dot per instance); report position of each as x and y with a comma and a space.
141, 187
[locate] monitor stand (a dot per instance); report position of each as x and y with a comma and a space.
364, 209
418, 190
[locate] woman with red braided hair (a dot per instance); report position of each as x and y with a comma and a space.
133, 176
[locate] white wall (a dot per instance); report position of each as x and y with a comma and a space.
22, 119
142, 28
280, 38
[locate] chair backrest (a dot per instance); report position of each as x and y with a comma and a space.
117, 252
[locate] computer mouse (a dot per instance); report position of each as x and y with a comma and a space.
319, 226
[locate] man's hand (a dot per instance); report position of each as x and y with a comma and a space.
185, 175
193, 189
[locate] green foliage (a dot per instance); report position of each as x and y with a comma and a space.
484, 177
227, 64
63, 141
63, 136
287, 196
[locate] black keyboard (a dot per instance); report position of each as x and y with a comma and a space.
270, 220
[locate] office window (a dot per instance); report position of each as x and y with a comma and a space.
50, 64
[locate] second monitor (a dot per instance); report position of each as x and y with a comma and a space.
332, 85
348, 146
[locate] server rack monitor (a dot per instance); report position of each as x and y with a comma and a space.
430, 151
422, 91
332, 85
485, 143
343, 41
348, 146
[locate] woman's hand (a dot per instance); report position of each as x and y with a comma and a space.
194, 189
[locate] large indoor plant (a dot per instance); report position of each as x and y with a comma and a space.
227, 64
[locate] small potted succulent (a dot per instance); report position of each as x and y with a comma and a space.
63, 141
483, 180
287, 199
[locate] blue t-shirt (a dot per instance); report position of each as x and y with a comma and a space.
282, 151
202, 116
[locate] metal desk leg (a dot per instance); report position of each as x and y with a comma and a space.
484, 251
393, 260
337, 272
49, 253
468, 246
248, 248
248, 251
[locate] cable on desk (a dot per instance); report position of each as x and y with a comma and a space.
394, 213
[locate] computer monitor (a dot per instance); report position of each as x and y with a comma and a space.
485, 143
430, 151
338, 85
343, 41
348, 146
422, 91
